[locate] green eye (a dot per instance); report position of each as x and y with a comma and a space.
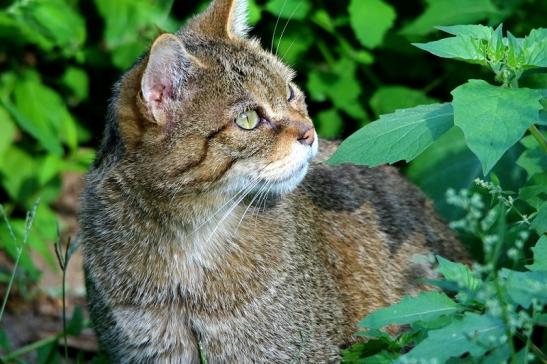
248, 120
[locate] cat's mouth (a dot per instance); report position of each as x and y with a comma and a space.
284, 176
278, 177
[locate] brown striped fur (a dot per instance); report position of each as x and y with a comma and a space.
194, 229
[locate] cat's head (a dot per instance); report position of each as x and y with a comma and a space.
208, 108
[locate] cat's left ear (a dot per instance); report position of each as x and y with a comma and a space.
223, 19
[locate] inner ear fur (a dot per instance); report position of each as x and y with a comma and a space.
162, 81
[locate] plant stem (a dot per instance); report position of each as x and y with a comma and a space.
539, 137
537, 351
64, 313
29, 348
28, 225
505, 318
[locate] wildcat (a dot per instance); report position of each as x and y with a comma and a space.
206, 222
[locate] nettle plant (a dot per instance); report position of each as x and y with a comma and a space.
490, 313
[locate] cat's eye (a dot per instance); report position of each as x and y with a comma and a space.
248, 120
290, 93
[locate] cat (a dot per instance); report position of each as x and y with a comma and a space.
211, 226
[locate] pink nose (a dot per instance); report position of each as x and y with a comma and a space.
308, 137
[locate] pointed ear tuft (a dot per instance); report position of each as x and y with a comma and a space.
164, 74
224, 19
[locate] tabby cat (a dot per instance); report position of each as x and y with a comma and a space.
207, 223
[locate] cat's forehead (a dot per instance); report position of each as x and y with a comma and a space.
246, 60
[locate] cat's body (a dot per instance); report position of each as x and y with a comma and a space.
205, 231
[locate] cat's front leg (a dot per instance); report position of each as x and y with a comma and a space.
150, 334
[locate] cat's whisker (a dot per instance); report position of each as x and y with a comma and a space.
286, 25
287, 52
276, 24
249, 206
234, 205
262, 199
243, 189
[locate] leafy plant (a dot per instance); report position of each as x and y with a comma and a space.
59, 59
495, 311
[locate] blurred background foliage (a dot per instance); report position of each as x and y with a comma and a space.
60, 58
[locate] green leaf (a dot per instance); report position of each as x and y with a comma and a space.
523, 287
533, 159
370, 20
540, 221
76, 80
130, 26
493, 118
402, 135
387, 99
446, 12
76, 324
340, 85
463, 48
468, 335
296, 41
535, 191
540, 255
425, 307
535, 48
458, 273
50, 23
8, 131
289, 9
474, 30
20, 186
329, 124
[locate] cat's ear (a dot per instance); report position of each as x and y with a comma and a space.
224, 19
166, 69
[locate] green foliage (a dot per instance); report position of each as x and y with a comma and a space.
496, 310
428, 306
59, 59
409, 132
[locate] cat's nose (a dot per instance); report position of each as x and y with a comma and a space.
308, 137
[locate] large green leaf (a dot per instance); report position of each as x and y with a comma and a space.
469, 335
446, 12
540, 255
370, 20
402, 135
493, 118
425, 307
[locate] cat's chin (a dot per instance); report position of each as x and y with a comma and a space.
285, 185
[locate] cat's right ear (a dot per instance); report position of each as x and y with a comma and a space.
162, 80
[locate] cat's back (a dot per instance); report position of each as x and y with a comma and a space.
374, 227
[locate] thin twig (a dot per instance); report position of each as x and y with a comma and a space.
28, 226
